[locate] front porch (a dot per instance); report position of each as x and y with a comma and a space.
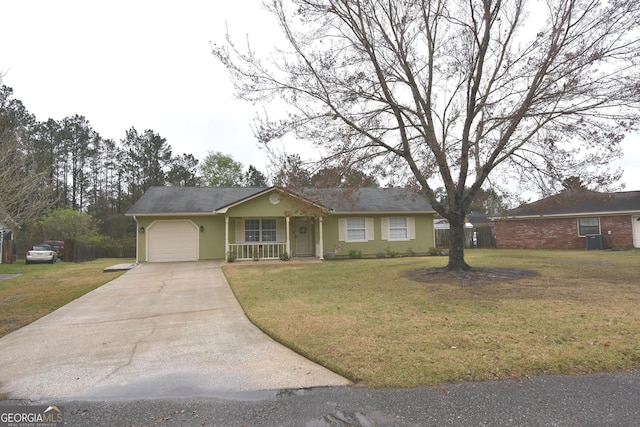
257, 251
264, 261
254, 239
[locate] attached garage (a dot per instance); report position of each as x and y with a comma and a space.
172, 241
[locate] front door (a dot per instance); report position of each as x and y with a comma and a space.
304, 238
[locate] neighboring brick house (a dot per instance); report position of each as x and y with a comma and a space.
565, 220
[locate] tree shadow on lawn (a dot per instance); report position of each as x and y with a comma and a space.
473, 277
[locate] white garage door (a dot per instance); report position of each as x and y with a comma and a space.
636, 231
170, 241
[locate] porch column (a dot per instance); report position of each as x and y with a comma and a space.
288, 237
321, 240
226, 236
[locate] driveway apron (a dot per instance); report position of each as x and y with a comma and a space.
158, 331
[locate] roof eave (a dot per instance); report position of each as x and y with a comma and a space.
171, 214
382, 212
225, 209
567, 215
306, 200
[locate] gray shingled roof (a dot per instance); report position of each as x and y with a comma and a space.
189, 200
580, 202
202, 200
368, 199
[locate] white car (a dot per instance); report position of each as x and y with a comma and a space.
41, 253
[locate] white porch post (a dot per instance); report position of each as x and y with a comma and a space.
226, 236
138, 241
288, 237
321, 240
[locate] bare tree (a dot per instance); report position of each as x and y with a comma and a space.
24, 193
452, 93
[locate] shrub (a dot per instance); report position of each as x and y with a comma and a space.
355, 254
390, 253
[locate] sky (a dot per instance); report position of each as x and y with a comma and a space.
141, 64
148, 65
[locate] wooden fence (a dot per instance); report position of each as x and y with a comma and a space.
484, 238
120, 251
75, 251
8, 252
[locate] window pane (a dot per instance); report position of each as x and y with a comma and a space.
355, 223
398, 222
353, 235
252, 230
269, 230
588, 226
398, 233
356, 229
398, 228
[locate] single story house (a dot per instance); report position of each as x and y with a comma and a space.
573, 219
201, 223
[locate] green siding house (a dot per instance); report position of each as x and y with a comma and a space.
205, 223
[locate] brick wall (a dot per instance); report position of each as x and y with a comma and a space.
560, 233
621, 231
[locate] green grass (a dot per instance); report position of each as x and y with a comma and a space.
368, 321
43, 288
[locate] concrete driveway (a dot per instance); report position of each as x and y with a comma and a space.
158, 331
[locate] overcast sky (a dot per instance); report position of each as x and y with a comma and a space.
145, 64
148, 65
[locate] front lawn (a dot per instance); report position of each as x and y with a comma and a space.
42, 288
390, 322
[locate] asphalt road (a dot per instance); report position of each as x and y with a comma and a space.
611, 399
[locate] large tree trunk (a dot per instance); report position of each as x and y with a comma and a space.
456, 244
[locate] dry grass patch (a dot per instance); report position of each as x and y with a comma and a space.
393, 322
40, 289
